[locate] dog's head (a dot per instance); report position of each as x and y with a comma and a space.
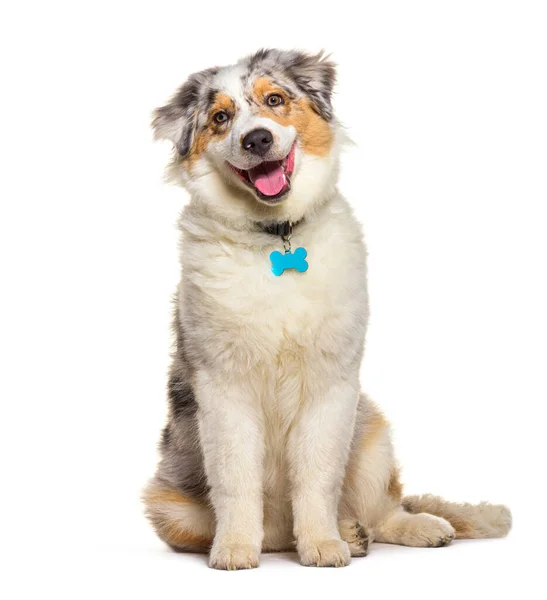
258, 136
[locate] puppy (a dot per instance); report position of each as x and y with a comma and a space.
270, 443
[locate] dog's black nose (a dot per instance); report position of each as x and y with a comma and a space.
257, 141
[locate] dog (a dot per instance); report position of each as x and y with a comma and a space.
270, 445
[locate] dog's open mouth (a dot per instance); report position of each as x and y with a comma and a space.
271, 179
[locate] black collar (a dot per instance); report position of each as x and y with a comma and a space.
283, 229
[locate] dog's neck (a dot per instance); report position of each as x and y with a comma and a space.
199, 220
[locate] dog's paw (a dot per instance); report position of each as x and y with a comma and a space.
327, 553
352, 532
430, 531
232, 557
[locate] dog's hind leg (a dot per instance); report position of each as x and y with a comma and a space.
373, 494
371, 487
181, 522
473, 521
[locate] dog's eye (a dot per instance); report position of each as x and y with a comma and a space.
220, 117
274, 100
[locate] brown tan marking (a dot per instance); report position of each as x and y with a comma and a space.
161, 504
462, 527
264, 86
395, 487
375, 426
166, 495
176, 536
314, 133
211, 130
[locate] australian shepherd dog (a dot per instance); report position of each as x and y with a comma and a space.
270, 445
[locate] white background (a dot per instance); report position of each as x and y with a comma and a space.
447, 103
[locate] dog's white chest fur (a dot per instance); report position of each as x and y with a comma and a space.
253, 315
279, 337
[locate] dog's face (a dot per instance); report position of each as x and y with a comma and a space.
256, 128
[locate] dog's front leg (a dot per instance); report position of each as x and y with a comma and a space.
232, 444
318, 452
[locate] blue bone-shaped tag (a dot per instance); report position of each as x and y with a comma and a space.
289, 260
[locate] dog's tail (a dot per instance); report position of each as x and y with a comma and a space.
482, 520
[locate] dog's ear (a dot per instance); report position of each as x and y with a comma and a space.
315, 75
177, 120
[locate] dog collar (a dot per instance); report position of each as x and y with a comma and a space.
289, 260
282, 229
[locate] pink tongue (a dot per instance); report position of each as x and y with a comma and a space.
268, 178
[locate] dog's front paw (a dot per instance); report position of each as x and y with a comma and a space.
232, 557
326, 553
352, 532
